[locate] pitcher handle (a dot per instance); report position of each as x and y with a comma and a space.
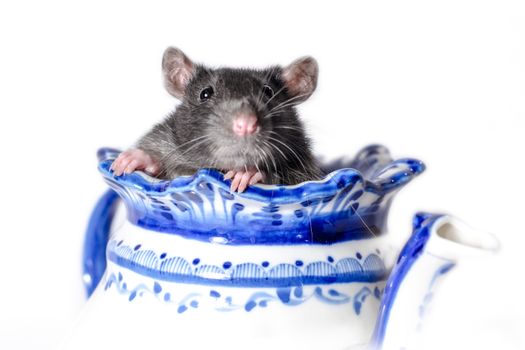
96, 239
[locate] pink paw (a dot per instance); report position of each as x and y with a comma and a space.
135, 159
241, 179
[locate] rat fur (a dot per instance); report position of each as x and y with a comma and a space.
269, 145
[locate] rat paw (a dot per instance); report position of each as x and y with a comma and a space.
135, 159
241, 179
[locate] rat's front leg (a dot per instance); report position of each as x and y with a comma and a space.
135, 159
241, 179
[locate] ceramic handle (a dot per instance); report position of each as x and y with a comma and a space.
96, 239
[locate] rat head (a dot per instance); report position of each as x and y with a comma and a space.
233, 119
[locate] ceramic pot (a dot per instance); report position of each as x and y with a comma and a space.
195, 266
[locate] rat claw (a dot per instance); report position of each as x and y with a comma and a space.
236, 181
152, 169
229, 175
120, 163
244, 181
257, 177
115, 163
116, 167
131, 166
123, 166
134, 159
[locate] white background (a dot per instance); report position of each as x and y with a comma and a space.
443, 82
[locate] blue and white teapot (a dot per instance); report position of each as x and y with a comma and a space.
309, 266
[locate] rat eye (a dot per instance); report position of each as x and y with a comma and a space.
268, 91
206, 94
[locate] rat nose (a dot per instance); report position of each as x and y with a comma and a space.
245, 124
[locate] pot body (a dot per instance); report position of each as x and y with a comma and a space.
195, 266
161, 289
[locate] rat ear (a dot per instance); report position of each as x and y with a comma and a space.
300, 78
178, 71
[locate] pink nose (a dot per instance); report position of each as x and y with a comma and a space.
245, 124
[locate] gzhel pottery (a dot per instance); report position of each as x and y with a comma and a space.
310, 266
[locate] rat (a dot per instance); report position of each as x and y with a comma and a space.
241, 121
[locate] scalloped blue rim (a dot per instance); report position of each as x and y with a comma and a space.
176, 206
278, 194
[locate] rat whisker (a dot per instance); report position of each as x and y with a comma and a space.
278, 149
180, 156
179, 160
295, 128
262, 157
171, 148
269, 175
290, 149
270, 114
178, 147
275, 95
289, 104
269, 157
272, 158
289, 100
195, 145
275, 111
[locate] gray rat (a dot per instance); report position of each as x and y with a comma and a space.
240, 121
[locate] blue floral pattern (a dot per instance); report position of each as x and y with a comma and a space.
291, 296
350, 203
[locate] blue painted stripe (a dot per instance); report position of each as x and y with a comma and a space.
328, 230
246, 282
